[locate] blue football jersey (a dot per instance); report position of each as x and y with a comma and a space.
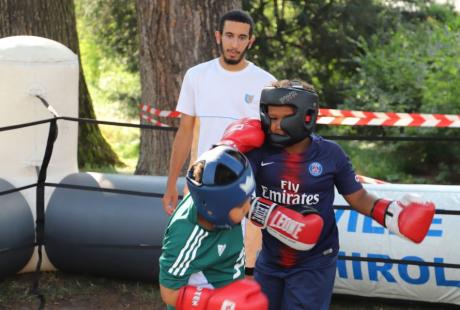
307, 178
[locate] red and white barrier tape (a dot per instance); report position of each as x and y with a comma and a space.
359, 118
155, 122
147, 111
151, 110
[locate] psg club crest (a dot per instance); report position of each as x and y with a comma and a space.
315, 169
248, 98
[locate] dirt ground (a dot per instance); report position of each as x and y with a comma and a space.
65, 291
69, 291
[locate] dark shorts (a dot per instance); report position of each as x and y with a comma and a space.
299, 287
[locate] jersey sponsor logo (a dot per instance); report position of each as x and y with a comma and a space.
315, 169
290, 186
248, 98
221, 249
289, 198
262, 164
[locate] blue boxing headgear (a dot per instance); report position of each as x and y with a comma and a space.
215, 199
297, 126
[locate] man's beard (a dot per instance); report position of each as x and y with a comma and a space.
233, 61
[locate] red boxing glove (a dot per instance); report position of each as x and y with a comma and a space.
239, 295
299, 227
244, 134
410, 217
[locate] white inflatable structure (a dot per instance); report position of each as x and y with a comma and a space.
31, 66
99, 232
119, 234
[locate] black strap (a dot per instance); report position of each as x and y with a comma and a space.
436, 211
40, 209
107, 190
17, 189
249, 271
399, 261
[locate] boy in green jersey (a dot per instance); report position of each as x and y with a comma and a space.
202, 261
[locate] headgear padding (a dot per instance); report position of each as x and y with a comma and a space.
213, 199
297, 126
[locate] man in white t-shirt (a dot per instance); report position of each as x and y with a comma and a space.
216, 92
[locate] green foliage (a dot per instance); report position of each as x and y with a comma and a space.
374, 55
114, 24
109, 48
316, 40
415, 70
365, 163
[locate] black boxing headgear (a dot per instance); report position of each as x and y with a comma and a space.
297, 126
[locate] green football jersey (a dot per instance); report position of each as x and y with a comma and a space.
196, 256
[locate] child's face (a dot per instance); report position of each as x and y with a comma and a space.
238, 213
276, 115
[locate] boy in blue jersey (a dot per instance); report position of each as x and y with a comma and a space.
297, 263
202, 260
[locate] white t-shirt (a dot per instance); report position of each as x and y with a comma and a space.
218, 96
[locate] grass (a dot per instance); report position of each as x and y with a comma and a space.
70, 291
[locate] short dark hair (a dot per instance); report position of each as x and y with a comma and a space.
196, 171
237, 16
294, 83
223, 174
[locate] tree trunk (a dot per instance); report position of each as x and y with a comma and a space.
174, 35
55, 20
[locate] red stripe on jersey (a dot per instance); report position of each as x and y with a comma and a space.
288, 256
291, 174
